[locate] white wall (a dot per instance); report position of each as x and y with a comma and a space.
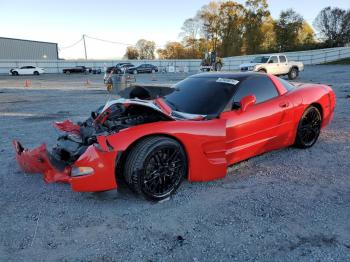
56, 66
230, 63
310, 57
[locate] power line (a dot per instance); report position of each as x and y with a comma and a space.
69, 46
109, 41
113, 42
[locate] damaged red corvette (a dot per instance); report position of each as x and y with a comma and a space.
207, 123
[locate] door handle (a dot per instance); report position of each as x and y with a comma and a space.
284, 104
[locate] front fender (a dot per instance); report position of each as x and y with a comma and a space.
203, 141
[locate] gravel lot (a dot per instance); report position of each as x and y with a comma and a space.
287, 205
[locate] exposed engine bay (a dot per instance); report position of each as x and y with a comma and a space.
115, 118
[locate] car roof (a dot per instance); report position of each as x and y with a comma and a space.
237, 76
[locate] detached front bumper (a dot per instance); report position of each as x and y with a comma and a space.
102, 163
37, 161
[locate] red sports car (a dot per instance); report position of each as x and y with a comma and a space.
209, 122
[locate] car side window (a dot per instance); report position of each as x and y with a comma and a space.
282, 59
259, 86
273, 59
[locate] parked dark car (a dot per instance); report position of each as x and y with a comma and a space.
77, 69
96, 70
144, 68
118, 68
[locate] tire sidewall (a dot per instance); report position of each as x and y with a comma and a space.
293, 74
298, 141
154, 148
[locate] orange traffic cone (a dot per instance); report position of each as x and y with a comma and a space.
27, 83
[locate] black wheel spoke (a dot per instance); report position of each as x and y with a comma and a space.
163, 171
309, 127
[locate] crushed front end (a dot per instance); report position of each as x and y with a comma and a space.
78, 158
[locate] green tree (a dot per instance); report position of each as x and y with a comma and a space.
306, 36
231, 31
287, 29
256, 14
268, 30
211, 21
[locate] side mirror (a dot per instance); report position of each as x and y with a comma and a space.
247, 101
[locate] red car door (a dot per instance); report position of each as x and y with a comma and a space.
263, 126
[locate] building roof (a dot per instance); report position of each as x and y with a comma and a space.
8, 38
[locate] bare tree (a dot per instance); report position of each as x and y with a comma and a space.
333, 25
131, 53
146, 49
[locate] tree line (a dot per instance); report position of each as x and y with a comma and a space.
230, 28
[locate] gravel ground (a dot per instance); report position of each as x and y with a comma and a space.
287, 205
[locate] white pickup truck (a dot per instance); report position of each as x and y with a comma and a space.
276, 64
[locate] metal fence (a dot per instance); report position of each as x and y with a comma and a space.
309, 57
56, 66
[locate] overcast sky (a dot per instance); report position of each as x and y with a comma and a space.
64, 22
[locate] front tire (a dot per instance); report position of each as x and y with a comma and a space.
293, 73
15, 73
155, 167
36, 73
135, 72
309, 128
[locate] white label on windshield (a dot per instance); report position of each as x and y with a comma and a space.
227, 81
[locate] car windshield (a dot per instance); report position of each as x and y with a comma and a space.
200, 95
261, 59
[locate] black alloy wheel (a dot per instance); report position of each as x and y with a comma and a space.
309, 128
156, 167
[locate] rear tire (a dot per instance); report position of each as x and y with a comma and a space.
309, 128
135, 72
36, 73
262, 71
67, 72
155, 167
293, 73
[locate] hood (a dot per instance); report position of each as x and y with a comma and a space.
158, 105
248, 64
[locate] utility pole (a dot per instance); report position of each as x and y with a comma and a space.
85, 47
